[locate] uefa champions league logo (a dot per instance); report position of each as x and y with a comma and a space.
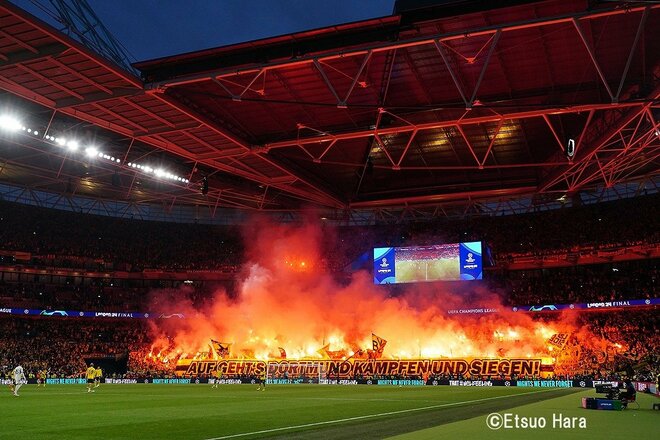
384, 263
469, 258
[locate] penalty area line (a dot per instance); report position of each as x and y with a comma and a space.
371, 416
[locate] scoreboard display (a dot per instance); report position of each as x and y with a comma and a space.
440, 262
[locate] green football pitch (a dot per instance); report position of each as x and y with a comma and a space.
304, 412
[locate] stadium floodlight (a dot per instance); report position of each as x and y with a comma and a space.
72, 145
160, 173
9, 123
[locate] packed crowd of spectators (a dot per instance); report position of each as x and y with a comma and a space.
632, 349
623, 344
71, 239
636, 279
67, 239
67, 296
108, 296
61, 239
622, 222
63, 346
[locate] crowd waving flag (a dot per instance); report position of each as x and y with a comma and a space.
323, 351
378, 344
559, 340
221, 349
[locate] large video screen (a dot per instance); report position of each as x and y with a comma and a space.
440, 262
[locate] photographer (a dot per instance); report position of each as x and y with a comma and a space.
630, 393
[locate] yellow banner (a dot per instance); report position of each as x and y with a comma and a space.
361, 367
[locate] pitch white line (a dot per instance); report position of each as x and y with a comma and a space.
369, 416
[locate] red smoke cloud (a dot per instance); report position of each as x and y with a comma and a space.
285, 298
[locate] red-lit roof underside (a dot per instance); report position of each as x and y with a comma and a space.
376, 114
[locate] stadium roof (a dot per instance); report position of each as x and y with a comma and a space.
431, 106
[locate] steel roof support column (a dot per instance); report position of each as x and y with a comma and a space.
451, 72
327, 82
492, 142
593, 58
554, 133
640, 28
495, 39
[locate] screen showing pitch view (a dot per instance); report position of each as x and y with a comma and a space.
441, 262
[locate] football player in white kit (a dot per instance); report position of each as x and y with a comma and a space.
19, 379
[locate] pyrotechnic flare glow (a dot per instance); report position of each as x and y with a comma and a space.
286, 298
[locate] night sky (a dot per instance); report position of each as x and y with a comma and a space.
155, 28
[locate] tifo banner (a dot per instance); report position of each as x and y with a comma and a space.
360, 368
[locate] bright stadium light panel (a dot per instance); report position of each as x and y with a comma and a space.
9, 123
72, 145
157, 172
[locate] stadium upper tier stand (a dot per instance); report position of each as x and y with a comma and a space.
64, 239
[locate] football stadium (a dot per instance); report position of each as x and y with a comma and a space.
442, 220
